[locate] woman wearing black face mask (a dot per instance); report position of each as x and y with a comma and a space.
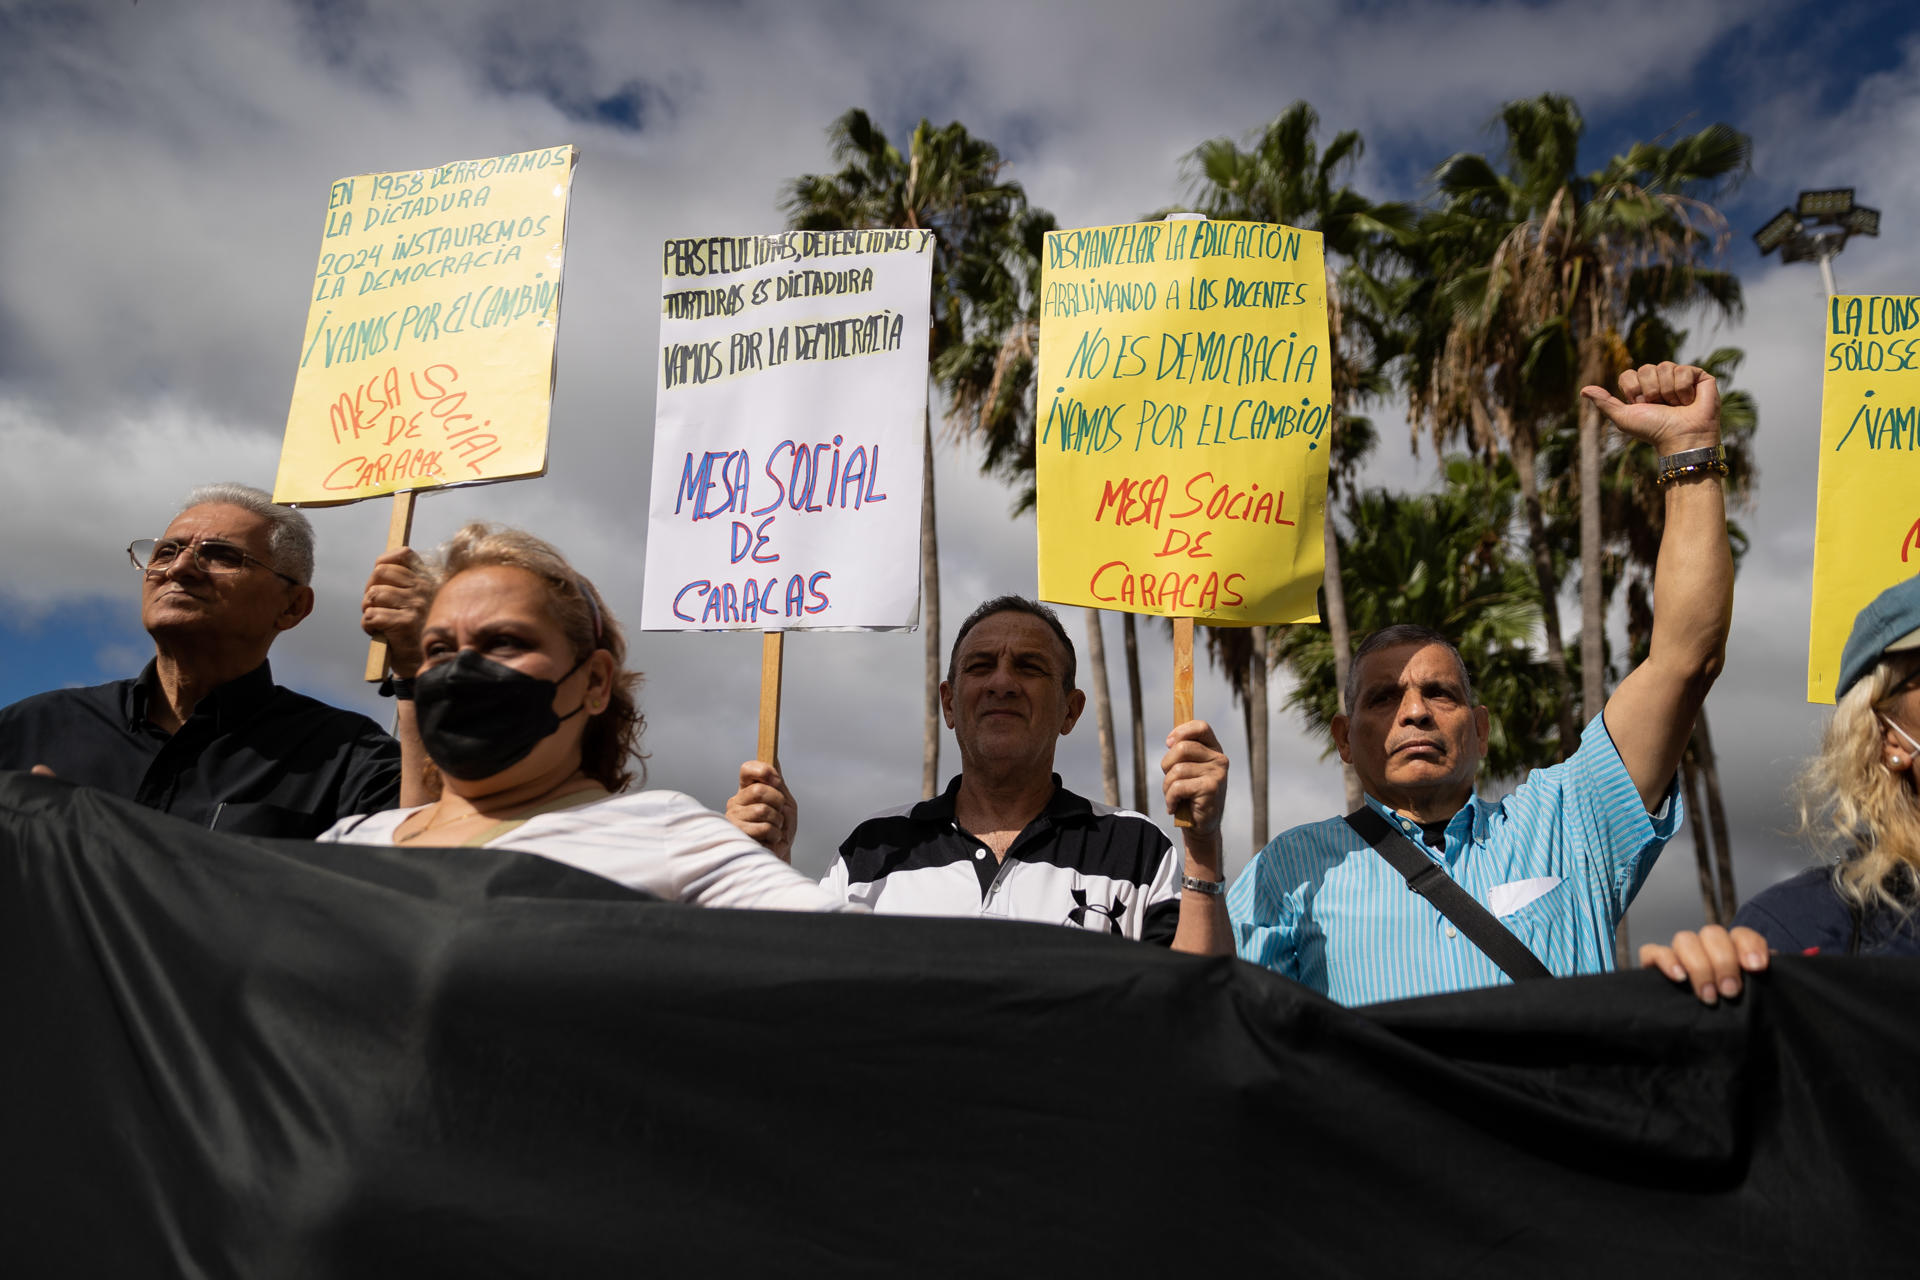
522, 703
1859, 804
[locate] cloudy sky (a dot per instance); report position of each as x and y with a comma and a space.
164, 168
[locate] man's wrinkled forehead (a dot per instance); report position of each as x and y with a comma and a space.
1387, 668
1025, 634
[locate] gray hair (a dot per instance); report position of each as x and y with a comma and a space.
1392, 638
289, 533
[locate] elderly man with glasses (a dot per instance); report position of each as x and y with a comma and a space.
204, 733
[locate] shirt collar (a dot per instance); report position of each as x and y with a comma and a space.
1062, 804
1470, 823
231, 705
940, 808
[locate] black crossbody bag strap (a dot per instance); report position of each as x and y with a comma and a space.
1428, 879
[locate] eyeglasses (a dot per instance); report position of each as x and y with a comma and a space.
156, 555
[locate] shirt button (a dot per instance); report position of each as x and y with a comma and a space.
979, 854
1452, 932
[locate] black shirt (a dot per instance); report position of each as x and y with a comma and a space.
253, 757
1080, 864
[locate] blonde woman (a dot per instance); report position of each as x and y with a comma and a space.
520, 696
1860, 806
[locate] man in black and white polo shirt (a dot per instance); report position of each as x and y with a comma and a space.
1006, 839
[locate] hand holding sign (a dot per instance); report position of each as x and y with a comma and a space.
394, 607
787, 438
1673, 407
1195, 770
429, 352
1185, 399
764, 809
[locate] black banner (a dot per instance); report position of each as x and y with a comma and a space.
235, 1057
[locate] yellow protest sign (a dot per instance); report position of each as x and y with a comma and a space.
1182, 432
1866, 532
428, 353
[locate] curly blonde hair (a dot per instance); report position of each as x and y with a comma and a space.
1858, 814
612, 738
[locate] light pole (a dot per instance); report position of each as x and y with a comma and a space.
1817, 228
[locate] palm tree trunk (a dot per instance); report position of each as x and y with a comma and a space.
1522, 450
1716, 817
1134, 710
1246, 722
1102, 709
1342, 640
930, 617
1593, 605
1334, 586
1257, 738
1702, 842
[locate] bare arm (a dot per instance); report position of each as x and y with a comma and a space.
1650, 716
1196, 773
393, 609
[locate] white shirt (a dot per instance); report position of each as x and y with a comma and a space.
660, 842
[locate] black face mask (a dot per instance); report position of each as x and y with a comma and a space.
478, 717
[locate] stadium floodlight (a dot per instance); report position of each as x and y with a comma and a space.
1816, 229
1827, 206
1784, 226
1862, 221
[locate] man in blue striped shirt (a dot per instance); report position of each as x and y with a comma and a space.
1558, 860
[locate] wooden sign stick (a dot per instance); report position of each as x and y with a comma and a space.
399, 529
1182, 696
770, 656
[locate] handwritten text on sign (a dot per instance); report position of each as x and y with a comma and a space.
788, 436
428, 354
1183, 425
1867, 530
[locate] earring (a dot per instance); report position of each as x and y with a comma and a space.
1897, 761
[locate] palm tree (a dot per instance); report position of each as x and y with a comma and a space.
1572, 258
1282, 175
989, 373
1467, 380
1443, 560
947, 182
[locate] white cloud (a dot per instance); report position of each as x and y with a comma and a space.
79, 498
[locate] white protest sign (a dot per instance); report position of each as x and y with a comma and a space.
787, 440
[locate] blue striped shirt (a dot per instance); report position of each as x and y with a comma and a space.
1558, 861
